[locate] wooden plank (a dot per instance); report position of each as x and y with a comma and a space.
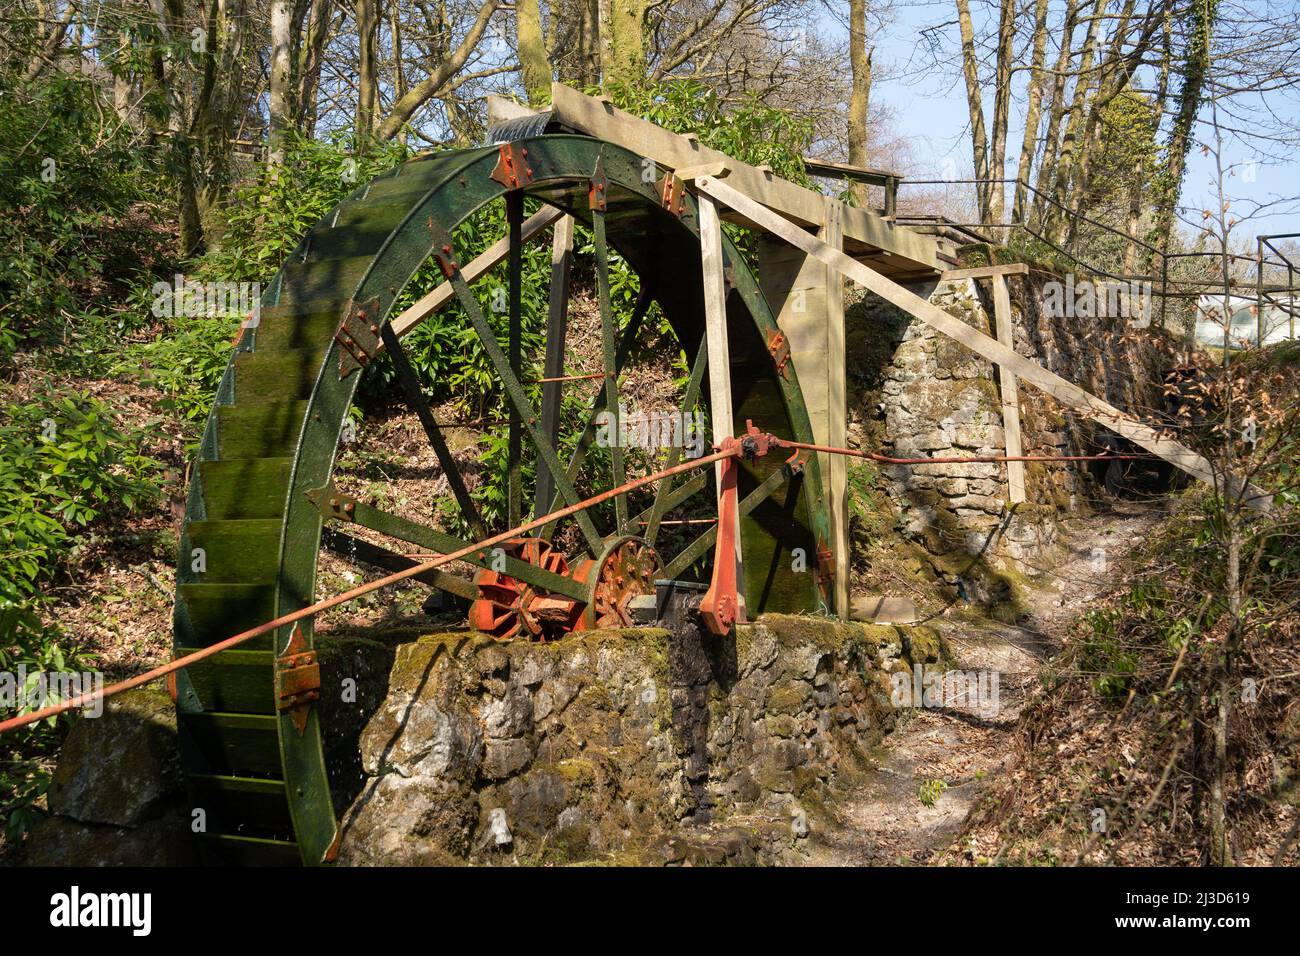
838, 408
719, 356
557, 322
861, 174
1059, 388
482, 264
806, 206
1010, 393
502, 108
985, 272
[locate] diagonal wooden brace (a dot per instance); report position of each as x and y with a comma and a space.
986, 346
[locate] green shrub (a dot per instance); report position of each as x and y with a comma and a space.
267, 216
186, 362
81, 202
64, 464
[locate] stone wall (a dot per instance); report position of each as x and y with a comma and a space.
934, 398
608, 746
622, 746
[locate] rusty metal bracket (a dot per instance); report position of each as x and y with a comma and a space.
794, 465
597, 191
512, 170
672, 193
778, 346
443, 250
825, 568
332, 503
297, 680
720, 607
358, 336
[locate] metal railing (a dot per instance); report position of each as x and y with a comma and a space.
1282, 296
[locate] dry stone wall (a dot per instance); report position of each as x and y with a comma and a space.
632, 746
937, 399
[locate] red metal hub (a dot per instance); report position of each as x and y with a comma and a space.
627, 569
508, 607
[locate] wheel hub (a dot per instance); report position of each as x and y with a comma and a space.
508, 607
627, 569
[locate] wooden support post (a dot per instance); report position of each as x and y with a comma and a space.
1010, 394
719, 363
990, 348
837, 407
515, 268
557, 322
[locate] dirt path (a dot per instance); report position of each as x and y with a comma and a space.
951, 753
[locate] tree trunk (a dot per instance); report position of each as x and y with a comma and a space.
625, 63
281, 98
860, 97
219, 99
167, 18
367, 71
1134, 222
975, 105
1055, 115
1114, 76
533, 62
1001, 110
1075, 125
1201, 15
587, 71
399, 74
311, 54
1033, 110
437, 83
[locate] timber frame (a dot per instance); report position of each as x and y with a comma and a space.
809, 243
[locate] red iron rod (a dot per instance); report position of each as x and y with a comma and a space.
958, 460
38, 715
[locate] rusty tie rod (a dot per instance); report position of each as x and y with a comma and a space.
311, 610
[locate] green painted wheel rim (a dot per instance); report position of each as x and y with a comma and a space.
262, 452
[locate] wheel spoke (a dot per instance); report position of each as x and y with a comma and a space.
608, 336
355, 549
672, 499
630, 333
339, 507
660, 507
514, 476
443, 293
700, 546
415, 398
517, 395
557, 322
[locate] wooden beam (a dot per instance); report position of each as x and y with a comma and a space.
837, 407
1059, 388
719, 356
986, 272
1010, 396
443, 293
861, 174
603, 120
502, 108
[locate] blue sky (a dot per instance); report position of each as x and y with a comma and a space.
928, 108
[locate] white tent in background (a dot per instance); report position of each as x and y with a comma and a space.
1279, 324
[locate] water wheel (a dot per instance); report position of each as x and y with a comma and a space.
263, 502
